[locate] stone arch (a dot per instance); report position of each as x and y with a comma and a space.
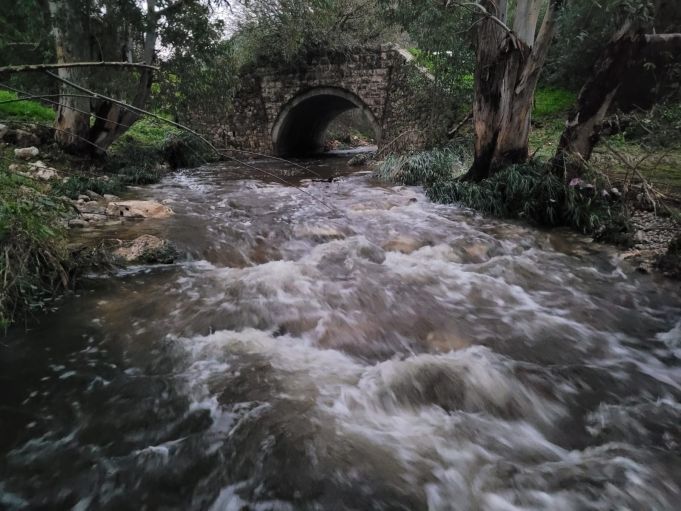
302, 121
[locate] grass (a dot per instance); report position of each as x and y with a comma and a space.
528, 192
550, 102
150, 131
425, 167
23, 110
532, 193
34, 260
548, 119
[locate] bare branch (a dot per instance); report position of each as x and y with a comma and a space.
40, 96
43, 67
184, 128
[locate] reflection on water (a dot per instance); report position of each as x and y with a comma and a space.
388, 353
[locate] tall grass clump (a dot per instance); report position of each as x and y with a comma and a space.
34, 260
423, 168
533, 193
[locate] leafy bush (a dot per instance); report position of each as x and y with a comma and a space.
424, 167
150, 131
33, 254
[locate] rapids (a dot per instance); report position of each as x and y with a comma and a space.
355, 347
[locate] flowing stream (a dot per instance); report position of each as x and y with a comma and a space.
386, 353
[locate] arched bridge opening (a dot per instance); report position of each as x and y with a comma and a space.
302, 122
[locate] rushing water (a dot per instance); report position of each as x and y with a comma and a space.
387, 353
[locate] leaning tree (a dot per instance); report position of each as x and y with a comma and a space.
127, 31
629, 55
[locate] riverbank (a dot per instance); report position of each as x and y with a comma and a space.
47, 195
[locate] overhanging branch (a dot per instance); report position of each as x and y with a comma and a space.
44, 67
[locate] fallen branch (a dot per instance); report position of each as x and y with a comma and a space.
647, 188
217, 151
44, 67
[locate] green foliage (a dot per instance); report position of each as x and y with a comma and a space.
34, 261
284, 32
585, 27
549, 102
533, 193
186, 150
442, 38
23, 110
423, 168
148, 131
133, 163
78, 184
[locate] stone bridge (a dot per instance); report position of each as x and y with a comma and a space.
286, 111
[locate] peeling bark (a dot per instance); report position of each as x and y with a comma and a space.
508, 64
69, 22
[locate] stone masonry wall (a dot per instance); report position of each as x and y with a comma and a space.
398, 95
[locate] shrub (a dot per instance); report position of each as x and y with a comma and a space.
33, 254
533, 193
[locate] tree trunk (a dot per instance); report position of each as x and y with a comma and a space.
508, 64
621, 60
114, 120
69, 22
71, 33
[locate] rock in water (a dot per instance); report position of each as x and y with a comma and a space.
146, 249
138, 209
360, 159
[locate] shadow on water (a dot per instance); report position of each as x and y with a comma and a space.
388, 354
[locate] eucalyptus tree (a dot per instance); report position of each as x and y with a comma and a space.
637, 66
117, 30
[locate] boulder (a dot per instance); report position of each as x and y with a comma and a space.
77, 223
360, 159
146, 249
138, 209
26, 153
91, 207
93, 195
46, 174
109, 197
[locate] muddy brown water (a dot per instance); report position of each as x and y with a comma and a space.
388, 353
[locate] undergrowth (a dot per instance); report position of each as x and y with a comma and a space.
533, 193
530, 192
34, 260
423, 168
